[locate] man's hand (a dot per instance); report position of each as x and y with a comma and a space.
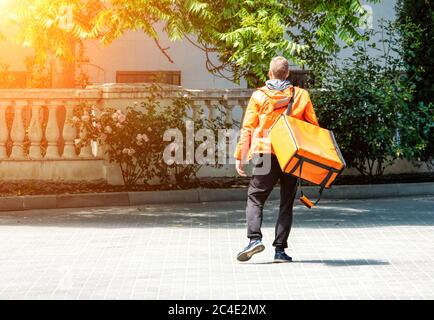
240, 168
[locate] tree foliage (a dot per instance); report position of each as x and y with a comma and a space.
238, 37
416, 18
420, 45
369, 105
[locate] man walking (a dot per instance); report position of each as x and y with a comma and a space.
265, 106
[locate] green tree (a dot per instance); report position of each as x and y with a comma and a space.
48, 27
369, 105
416, 18
419, 46
238, 37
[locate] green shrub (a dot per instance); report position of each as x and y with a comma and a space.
416, 23
368, 103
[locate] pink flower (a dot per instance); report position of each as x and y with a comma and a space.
129, 151
118, 125
103, 137
142, 137
149, 129
75, 119
85, 117
98, 126
122, 118
108, 129
115, 116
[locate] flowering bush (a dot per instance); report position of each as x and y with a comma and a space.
134, 138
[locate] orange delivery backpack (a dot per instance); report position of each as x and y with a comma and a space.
306, 151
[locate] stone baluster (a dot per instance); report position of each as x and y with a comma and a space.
35, 130
17, 131
52, 132
229, 104
211, 110
4, 134
242, 103
195, 106
85, 151
200, 109
69, 131
100, 148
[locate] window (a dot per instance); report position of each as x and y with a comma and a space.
167, 77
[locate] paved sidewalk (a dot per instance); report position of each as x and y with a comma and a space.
369, 249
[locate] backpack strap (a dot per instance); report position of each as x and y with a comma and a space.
291, 103
303, 199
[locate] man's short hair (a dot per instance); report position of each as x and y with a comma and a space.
279, 67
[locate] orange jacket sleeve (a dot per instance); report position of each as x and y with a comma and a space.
309, 113
250, 122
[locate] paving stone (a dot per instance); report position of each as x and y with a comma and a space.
176, 196
358, 249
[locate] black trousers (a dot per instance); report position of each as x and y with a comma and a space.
260, 187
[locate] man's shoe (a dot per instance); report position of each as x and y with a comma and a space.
281, 257
254, 247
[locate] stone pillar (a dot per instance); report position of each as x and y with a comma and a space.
35, 131
52, 131
17, 131
4, 134
69, 131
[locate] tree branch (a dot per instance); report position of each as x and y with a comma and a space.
210, 66
163, 50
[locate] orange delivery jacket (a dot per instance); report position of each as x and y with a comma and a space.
265, 106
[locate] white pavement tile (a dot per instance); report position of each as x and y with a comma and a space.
379, 249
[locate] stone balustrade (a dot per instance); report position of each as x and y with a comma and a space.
36, 124
234, 101
37, 136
